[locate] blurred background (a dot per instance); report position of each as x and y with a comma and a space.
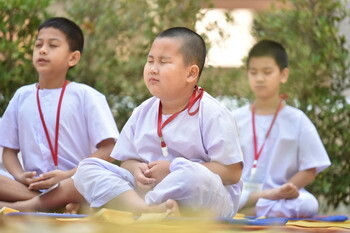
119, 33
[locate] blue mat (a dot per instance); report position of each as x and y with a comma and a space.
333, 218
256, 222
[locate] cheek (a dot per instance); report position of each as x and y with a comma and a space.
250, 81
146, 69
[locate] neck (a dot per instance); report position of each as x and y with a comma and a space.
266, 106
173, 106
46, 83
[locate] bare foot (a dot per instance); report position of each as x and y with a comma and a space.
286, 191
172, 208
72, 208
16, 205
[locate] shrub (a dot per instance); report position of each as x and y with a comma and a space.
19, 22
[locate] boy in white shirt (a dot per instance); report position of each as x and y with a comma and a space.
179, 149
281, 147
54, 123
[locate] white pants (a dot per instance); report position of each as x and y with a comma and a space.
304, 206
191, 184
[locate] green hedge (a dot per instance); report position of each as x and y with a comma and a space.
19, 22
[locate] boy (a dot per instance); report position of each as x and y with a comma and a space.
55, 123
281, 148
179, 149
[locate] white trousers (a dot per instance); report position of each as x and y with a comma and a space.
191, 184
304, 206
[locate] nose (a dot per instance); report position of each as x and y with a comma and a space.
153, 69
43, 50
260, 77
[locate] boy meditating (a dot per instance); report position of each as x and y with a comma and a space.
179, 150
282, 150
54, 123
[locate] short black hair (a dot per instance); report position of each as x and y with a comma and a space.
272, 49
193, 47
73, 32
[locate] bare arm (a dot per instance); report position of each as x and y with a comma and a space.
130, 165
11, 161
48, 179
230, 174
14, 167
303, 178
104, 150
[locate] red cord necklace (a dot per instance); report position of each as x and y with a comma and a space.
54, 150
257, 152
189, 105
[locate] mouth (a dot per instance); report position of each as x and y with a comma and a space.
152, 80
259, 87
42, 61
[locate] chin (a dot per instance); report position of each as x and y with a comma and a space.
153, 91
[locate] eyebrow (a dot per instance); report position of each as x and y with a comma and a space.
165, 57
160, 58
263, 68
51, 39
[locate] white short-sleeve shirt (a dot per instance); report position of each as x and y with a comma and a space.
293, 145
85, 120
210, 135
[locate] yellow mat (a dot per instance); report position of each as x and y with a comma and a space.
320, 224
106, 220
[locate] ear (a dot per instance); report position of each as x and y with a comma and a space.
193, 72
284, 75
74, 58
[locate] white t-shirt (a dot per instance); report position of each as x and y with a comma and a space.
293, 145
85, 120
210, 135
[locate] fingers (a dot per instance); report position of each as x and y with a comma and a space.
142, 173
39, 178
152, 169
290, 191
145, 180
145, 170
152, 164
38, 186
42, 184
27, 177
29, 174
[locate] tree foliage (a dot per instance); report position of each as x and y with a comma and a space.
118, 37
19, 22
319, 65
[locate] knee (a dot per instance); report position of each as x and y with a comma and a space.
308, 206
85, 166
193, 176
89, 162
304, 206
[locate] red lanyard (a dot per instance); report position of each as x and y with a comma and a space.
54, 150
256, 152
189, 105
